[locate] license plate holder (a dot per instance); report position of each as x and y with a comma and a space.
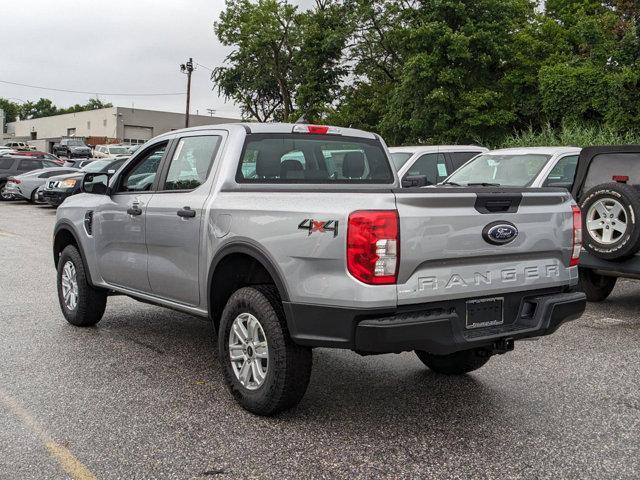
484, 312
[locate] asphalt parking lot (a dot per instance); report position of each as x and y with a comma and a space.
142, 396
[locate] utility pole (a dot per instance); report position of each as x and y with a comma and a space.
187, 68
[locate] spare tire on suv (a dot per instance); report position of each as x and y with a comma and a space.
610, 228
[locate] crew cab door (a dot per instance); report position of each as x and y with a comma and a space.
174, 217
120, 224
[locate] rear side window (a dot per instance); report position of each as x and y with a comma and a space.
5, 163
28, 165
191, 162
301, 158
460, 158
604, 166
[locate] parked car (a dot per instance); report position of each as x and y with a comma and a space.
133, 148
25, 185
520, 167
110, 151
607, 188
19, 146
39, 154
296, 254
434, 163
59, 187
12, 165
7, 150
72, 148
78, 162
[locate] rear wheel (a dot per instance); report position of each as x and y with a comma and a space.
4, 195
82, 305
32, 199
595, 286
457, 363
265, 370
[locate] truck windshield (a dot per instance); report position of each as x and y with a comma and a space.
307, 158
506, 170
75, 143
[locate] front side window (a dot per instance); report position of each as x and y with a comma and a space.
460, 158
563, 173
6, 163
141, 176
431, 165
191, 162
302, 158
508, 170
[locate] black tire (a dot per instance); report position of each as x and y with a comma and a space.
627, 243
289, 365
2, 199
457, 363
33, 197
595, 286
91, 302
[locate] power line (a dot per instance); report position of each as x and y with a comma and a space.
204, 66
94, 93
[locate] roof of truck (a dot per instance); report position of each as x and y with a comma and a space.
275, 127
435, 148
539, 150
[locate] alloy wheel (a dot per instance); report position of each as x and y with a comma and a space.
69, 285
248, 351
606, 221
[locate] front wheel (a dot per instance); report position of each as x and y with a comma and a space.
265, 370
595, 286
82, 305
457, 363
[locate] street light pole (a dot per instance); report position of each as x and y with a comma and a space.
187, 68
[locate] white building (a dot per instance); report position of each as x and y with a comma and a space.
107, 125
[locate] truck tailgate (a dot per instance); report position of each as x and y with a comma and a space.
445, 249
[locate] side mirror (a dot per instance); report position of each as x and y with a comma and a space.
415, 181
96, 183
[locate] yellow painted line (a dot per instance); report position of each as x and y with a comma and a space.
74, 468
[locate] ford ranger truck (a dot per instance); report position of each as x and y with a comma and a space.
289, 237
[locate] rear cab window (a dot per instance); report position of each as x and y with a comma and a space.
311, 158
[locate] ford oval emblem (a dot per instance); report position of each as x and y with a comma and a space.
500, 233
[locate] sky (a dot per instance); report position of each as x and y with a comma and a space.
113, 46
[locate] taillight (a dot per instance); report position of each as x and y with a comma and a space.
315, 129
577, 236
373, 246
14, 180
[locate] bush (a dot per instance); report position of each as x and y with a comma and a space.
570, 134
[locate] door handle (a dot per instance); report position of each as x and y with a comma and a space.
134, 210
186, 212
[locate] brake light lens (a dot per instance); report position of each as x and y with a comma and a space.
14, 180
620, 178
373, 246
577, 236
316, 129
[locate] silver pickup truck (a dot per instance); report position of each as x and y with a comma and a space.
291, 236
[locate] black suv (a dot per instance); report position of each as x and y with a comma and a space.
607, 188
72, 148
12, 165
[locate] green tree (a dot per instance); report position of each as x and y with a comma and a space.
284, 62
11, 109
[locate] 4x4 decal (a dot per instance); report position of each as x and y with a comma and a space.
311, 225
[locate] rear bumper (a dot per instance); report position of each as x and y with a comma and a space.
437, 327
